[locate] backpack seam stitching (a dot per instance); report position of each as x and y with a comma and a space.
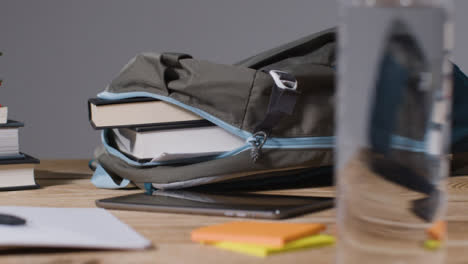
248, 99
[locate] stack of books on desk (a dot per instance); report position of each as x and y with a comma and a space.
147, 129
16, 168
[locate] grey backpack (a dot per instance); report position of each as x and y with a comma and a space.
281, 102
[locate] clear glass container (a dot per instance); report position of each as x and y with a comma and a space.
394, 104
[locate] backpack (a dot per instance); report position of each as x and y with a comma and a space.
281, 102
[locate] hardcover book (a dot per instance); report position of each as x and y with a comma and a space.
136, 112
18, 173
162, 143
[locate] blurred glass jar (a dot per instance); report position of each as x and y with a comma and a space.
394, 101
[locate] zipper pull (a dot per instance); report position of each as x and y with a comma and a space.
257, 141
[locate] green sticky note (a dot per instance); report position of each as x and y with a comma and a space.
432, 244
263, 251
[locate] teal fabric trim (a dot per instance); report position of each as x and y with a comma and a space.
405, 143
301, 143
101, 179
298, 142
291, 143
149, 188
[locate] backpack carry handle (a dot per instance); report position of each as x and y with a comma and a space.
283, 99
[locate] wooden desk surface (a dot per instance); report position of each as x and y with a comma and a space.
66, 184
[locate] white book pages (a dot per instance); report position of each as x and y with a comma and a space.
16, 175
3, 115
171, 144
9, 141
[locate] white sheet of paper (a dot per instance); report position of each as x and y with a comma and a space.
69, 228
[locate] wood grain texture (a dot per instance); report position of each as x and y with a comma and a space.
62, 185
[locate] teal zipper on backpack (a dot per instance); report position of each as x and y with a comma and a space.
294, 143
252, 142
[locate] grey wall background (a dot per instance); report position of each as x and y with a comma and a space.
59, 53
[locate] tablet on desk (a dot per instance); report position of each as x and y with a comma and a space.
247, 205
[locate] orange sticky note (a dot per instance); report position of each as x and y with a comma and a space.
437, 230
272, 234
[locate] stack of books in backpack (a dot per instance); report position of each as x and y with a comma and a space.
16, 168
151, 130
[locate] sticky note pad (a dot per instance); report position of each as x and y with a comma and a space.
263, 251
432, 244
271, 234
438, 230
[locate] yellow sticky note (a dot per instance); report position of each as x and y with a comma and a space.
263, 251
432, 244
